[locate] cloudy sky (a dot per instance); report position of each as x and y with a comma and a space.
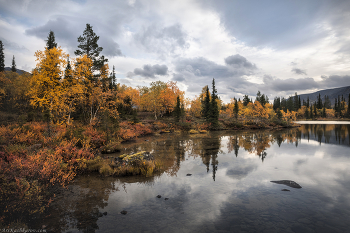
277, 47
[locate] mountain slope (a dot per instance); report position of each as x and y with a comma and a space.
331, 93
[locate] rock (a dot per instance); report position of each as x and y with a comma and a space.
166, 198
289, 183
100, 214
159, 196
104, 213
286, 190
189, 174
124, 212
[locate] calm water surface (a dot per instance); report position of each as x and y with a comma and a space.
229, 190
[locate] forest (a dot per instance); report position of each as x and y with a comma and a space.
58, 120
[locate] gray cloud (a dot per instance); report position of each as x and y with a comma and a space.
65, 32
149, 71
12, 46
299, 71
163, 41
238, 61
230, 78
334, 81
178, 77
278, 24
66, 35
110, 47
289, 85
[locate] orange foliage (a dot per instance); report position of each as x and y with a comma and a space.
129, 131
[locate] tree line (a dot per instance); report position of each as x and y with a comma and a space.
82, 88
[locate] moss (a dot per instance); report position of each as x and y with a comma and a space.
106, 170
193, 131
94, 164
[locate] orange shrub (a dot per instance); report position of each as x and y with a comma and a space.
128, 130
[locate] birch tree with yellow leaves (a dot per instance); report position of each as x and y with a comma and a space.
46, 86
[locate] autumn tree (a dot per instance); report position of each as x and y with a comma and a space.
196, 107
168, 97
206, 104
46, 89
73, 86
2, 57
50, 42
88, 45
13, 66
150, 97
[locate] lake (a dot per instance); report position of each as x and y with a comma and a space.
220, 182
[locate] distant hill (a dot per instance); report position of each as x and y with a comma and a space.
17, 70
331, 93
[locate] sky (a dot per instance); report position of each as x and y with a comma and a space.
272, 46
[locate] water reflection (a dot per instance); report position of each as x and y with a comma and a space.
230, 188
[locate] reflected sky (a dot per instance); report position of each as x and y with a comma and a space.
230, 188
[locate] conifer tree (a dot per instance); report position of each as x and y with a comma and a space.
113, 80
214, 109
246, 100
319, 102
177, 109
307, 113
68, 73
13, 66
236, 109
50, 42
315, 110
311, 112
277, 103
88, 45
2, 57
324, 112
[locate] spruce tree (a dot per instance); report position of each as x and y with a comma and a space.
315, 110
246, 100
50, 42
113, 80
214, 109
311, 113
277, 103
68, 73
13, 66
324, 112
2, 57
177, 109
236, 109
88, 45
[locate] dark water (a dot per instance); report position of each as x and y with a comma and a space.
230, 189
